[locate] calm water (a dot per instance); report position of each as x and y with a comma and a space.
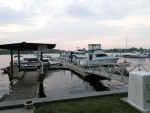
63, 82
4, 82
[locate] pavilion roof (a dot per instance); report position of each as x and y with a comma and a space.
24, 46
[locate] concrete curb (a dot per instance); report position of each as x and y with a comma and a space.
38, 101
3, 97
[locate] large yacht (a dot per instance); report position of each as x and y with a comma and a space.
97, 56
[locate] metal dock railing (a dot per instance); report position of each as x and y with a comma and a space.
118, 71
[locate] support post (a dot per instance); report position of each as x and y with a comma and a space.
11, 66
41, 56
19, 59
71, 56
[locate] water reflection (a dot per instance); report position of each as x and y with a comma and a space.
63, 82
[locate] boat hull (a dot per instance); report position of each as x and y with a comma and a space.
102, 61
137, 56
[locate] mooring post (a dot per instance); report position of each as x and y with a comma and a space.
11, 66
19, 59
11, 69
122, 72
60, 54
43, 72
41, 56
71, 55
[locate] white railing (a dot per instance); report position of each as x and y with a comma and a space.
109, 69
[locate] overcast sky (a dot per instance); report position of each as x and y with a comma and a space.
76, 23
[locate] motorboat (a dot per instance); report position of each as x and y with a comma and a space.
147, 52
136, 54
32, 63
22, 61
52, 62
15, 61
79, 57
97, 56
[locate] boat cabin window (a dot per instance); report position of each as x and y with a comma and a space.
101, 55
94, 46
45, 60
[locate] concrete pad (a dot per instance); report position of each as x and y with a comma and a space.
125, 100
26, 88
18, 110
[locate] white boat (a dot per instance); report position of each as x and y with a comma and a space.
52, 62
32, 63
97, 56
49, 61
45, 60
22, 61
79, 57
147, 52
15, 60
136, 54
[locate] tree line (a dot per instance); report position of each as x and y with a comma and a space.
115, 50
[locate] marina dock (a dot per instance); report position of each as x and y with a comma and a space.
28, 86
77, 68
25, 88
68, 65
118, 71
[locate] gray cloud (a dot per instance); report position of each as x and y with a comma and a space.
84, 17
105, 10
8, 15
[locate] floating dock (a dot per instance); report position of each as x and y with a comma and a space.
68, 65
26, 88
118, 71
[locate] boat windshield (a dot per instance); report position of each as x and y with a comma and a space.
101, 55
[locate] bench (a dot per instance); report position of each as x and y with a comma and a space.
16, 73
14, 83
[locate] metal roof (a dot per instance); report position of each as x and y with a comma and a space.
24, 46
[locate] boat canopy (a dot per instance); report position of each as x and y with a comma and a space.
93, 47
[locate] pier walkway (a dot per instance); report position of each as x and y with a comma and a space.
26, 87
77, 68
68, 65
118, 71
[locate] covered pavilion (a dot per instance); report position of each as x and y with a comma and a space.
24, 46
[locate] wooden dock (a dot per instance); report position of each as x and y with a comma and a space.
68, 65
106, 75
26, 88
77, 68
28, 84
99, 72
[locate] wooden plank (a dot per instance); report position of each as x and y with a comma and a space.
77, 68
26, 88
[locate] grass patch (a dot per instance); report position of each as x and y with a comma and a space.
104, 104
